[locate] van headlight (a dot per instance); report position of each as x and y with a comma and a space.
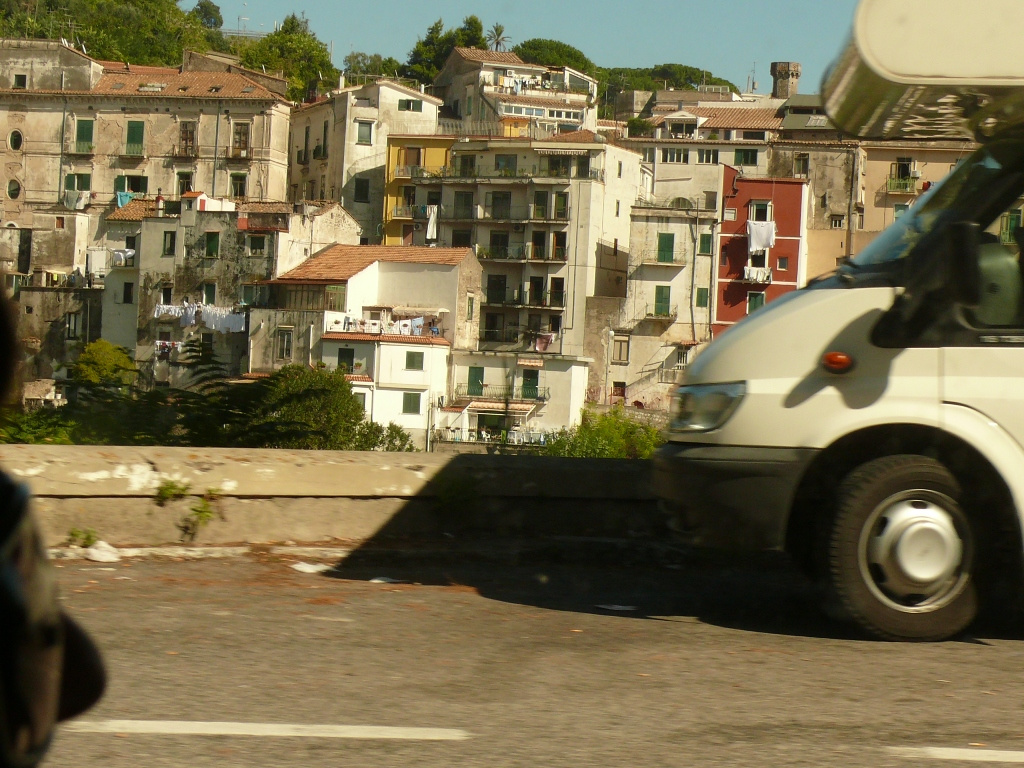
703, 407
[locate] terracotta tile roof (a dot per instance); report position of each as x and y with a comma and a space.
340, 262
137, 209
737, 117
388, 338
360, 377
488, 57
265, 207
573, 137
167, 83
192, 194
136, 69
256, 375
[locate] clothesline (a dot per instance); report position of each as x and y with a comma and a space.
220, 319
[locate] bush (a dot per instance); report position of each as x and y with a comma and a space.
614, 434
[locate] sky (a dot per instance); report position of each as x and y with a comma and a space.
734, 39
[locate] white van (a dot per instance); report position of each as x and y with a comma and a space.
872, 424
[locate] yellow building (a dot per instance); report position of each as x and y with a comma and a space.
405, 203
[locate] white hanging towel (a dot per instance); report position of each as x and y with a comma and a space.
760, 235
431, 222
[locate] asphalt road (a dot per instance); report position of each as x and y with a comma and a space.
521, 665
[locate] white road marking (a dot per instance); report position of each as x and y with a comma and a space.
964, 755
191, 728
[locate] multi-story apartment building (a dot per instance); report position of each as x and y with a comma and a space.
83, 135
339, 144
192, 271
549, 220
389, 316
407, 202
497, 93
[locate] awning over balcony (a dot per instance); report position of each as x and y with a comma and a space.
494, 406
531, 362
419, 311
561, 151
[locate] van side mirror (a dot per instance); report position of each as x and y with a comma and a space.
943, 267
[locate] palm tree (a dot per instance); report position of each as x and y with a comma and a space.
496, 38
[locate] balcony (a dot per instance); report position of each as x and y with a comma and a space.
901, 186
758, 275
500, 335
319, 152
185, 151
81, 148
302, 157
134, 151
501, 392
550, 299
502, 252
459, 213
675, 375
238, 154
506, 213
427, 173
515, 339
661, 312
543, 253
544, 214
662, 258
511, 297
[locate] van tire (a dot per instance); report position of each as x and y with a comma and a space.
902, 552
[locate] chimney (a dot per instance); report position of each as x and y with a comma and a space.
785, 79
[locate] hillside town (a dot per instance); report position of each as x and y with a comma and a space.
482, 256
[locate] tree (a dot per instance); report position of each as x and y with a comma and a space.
358, 63
103, 364
208, 13
496, 38
432, 50
294, 49
552, 53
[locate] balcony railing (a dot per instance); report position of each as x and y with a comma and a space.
543, 253
319, 152
185, 150
554, 299
661, 312
759, 275
671, 375
459, 213
238, 154
302, 157
668, 258
506, 213
81, 148
511, 297
543, 213
502, 252
500, 335
906, 186
1006, 236
134, 150
501, 392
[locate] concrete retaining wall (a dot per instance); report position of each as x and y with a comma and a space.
320, 496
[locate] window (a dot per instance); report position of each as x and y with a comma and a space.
240, 139
675, 155
414, 362
710, 200
617, 204
78, 182
729, 215
411, 402
620, 349
410, 105
531, 384
187, 137
704, 243
360, 398
364, 133
505, 164
238, 181
754, 135
754, 301
470, 308
783, 263
475, 379
662, 300
837, 221
72, 325
362, 191
14, 189
801, 165
135, 139
346, 360
746, 156
166, 295
212, 245
760, 210
128, 293
209, 291
137, 184
184, 182
649, 153
253, 294
462, 238
666, 247
58, 222
257, 245
284, 344
899, 209
702, 298
130, 241
620, 169
707, 156
21, 81
170, 240
15, 140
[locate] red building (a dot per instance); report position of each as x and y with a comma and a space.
759, 263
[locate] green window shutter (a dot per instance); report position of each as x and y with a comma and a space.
69, 181
83, 131
662, 300
120, 184
136, 131
702, 297
666, 246
143, 184
705, 243
212, 243
754, 301
476, 381
84, 182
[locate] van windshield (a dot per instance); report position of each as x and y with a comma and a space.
978, 190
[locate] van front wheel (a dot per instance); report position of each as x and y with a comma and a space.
902, 552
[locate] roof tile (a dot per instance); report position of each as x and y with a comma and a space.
340, 262
488, 57
740, 118
387, 338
